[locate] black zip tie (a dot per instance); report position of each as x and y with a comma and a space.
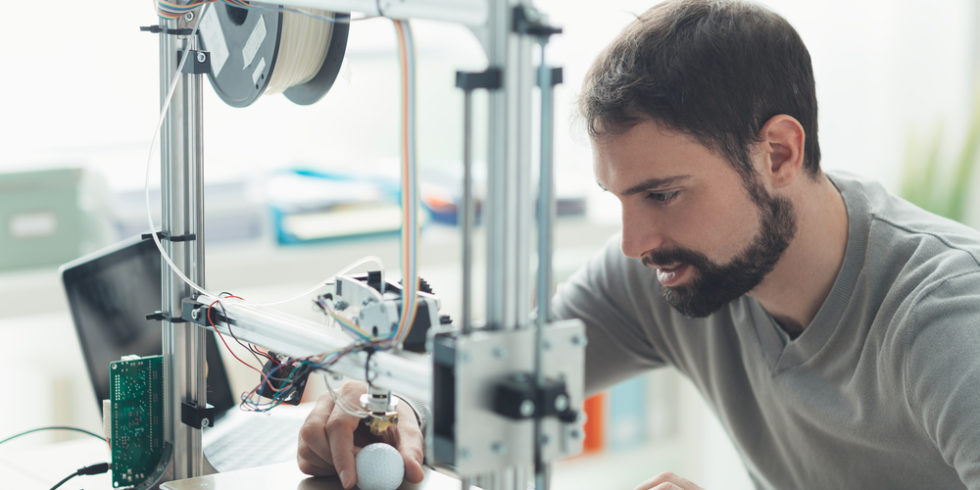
156, 29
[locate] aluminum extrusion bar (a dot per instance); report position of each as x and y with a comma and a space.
182, 211
465, 12
405, 374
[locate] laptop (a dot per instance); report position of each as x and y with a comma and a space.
110, 292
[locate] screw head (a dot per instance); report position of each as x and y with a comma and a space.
189, 16
498, 448
195, 314
561, 403
527, 408
201, 57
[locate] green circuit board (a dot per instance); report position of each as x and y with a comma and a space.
136, 391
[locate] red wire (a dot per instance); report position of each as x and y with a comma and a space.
222, 337
266, 379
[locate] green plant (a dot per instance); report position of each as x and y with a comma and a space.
938, 185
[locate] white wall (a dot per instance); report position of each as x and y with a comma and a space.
885, 70
81, 85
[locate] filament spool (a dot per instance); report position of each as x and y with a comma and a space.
259, 51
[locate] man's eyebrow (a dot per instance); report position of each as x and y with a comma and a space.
653, 183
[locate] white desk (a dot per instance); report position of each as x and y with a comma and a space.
287, 475
43, 466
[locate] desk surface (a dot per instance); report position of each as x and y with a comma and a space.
43, 466
287, 475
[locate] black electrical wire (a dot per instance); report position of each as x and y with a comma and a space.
95, 469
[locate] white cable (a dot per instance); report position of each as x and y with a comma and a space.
149, 157
149, 214
342, 402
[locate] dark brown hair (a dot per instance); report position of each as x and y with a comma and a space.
714, 69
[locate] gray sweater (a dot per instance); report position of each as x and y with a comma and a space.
880, 391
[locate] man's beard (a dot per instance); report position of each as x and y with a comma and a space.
714, 285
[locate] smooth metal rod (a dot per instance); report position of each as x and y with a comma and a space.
498, 154
466, 213
546, 197
545, 212
523, 212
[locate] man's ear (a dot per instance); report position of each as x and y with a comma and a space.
781, 141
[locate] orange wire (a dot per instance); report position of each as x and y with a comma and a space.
403, 52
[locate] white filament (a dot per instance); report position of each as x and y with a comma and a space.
303, 44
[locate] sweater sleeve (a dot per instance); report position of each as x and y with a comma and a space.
942, 371
603, 294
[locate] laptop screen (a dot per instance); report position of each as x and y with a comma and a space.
109, 294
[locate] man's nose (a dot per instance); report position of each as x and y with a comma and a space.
641, 233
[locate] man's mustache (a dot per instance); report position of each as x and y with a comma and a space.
659, 258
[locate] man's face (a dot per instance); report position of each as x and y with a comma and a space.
690, 215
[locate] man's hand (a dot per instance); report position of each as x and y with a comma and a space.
668, 481
326, 440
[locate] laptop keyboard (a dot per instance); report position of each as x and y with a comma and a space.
259, 440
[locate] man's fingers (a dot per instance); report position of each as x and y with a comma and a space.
340, 434
314, 466
313, 452
410, 444
410, 447
413, 468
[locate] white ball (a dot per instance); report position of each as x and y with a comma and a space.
379, 467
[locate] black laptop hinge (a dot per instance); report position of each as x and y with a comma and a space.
193, 415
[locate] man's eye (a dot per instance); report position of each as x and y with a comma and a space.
662, 197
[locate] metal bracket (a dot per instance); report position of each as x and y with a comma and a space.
195, 313
472, 429
528, 21
198, 417
550, 78
490, 79
199, 62
518, 397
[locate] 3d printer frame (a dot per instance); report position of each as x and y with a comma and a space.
504, 394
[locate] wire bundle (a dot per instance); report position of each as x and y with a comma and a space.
410, 202
287, 374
